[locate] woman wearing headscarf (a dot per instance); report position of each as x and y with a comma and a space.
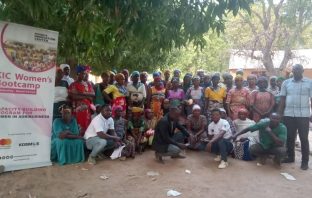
176, 94
60, 93
99, 87
136, 92
196, 125
237, 98
157, 93
187, 82
194, 95
81, 94
119, 92
215, 96
67, 147
261, 101
252, 82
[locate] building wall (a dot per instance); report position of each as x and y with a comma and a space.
307, 72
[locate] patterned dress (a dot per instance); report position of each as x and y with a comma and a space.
237, 99
158, 96
263, 101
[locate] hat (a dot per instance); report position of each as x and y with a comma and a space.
196, 107
80, 68
135, 73
222, 110
136, 110
156, 74
63, 66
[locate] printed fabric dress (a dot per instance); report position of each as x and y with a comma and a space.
196, 125
237, 99
120, 129
176, 97
82, 107
119, 93
158, 96
66, 151
263, 101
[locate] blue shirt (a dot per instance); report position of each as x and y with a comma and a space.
298, 94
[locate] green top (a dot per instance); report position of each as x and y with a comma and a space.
266, 140
137, 124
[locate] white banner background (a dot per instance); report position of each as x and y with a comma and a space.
27, 75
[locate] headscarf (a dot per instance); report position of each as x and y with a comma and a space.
222, 110
63, 66
80, 68
156, 74
136, 110
119, 76
135, 73
280, 78
117, 107
196, 107
196, 78
215, 76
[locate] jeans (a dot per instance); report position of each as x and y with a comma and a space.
258, 151
300, 124
98, 145
222, 147
173, 151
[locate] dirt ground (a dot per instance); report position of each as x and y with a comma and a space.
129, 179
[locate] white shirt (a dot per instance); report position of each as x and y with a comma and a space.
68, 79
98, 124
135, 94
243, 124
217, 128
60, 94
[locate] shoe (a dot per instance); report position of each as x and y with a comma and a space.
304, 166
223, 164
288, 160
1, 169
218, 158
91, 160
159, 158
178, 157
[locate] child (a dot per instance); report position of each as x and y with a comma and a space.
241, 147
120, 129
150, 124
136, 128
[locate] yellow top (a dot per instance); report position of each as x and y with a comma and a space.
114, 91
217, 95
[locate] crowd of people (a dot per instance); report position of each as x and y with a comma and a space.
257, 118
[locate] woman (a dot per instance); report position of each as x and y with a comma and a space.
194, 95
196, 125
261, 101
60, 93
99, 87
176, 94
215, 96
111, 78
118, 92
187, 82
157, 93
81, 94
275, 90
252, 82
67, 146
120, 128
237, 98
136, 129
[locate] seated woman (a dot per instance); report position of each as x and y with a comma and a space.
136, 129
243, 143
67, 146
120, 129
150, 124
196, 125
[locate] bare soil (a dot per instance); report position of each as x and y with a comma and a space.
129, 179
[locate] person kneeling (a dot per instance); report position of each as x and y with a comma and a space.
100, 135
272, 135
219, 132
163, 142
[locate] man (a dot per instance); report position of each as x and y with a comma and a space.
164, 142
272, 137
100, 134
219, 134
66, 70
136, 91
295, 98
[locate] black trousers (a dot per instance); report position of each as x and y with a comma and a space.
258, 151
300, 124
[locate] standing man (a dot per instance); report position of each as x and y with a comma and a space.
295, 98
66, 70
100, 135
164, 143
272, 136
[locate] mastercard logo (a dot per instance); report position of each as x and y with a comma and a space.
5, 142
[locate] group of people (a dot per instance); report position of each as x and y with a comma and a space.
248, 119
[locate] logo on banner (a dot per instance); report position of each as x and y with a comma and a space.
29, 144
6, 157
5, 143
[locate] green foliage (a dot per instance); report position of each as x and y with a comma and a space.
123, 33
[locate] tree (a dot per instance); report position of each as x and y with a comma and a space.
116, 33
272, 26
